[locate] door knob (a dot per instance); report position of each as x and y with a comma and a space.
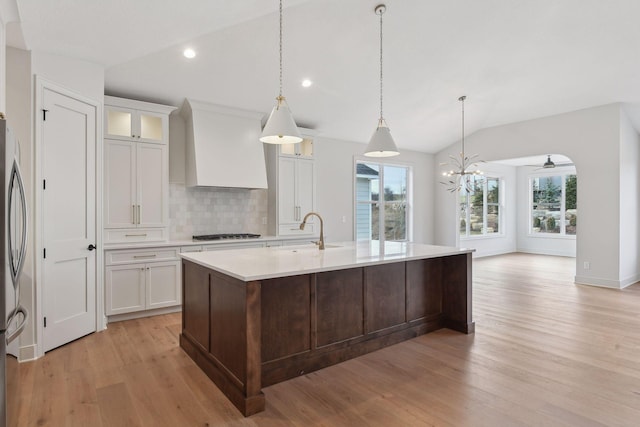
91, 247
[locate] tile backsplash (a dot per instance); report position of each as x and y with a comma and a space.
211, 210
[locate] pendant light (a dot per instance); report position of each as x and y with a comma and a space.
280, 127
461, 175
381, 143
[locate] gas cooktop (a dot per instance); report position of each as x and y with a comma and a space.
226, 236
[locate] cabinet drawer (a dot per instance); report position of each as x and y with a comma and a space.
294, 229
137, 255
135, 235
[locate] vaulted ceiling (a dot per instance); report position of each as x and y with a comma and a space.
515, 60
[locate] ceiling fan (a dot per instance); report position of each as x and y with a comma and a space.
550, 164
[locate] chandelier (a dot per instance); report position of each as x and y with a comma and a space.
463, 167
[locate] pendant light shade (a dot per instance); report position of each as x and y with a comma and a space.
381, 143
280, 127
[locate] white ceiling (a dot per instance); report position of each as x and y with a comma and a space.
515, 60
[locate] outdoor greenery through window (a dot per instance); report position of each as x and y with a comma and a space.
554, 204
480, 207
382, 208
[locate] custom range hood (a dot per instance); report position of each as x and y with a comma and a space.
223, 147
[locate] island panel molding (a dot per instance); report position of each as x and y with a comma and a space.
249, 334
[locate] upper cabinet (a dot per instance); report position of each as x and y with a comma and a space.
302, 149
136, 165
130, 120
292, 187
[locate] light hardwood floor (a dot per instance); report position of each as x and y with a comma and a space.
545, 352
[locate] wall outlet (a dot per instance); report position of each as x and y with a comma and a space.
264, 220
344, 219
587, 265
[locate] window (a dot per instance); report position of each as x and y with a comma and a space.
382, 202
480, 207
554, 204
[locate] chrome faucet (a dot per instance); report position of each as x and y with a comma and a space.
320, 243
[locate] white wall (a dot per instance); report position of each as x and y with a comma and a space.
335, 181
505, 242
591, 139
629, 202
83, 77
540, 244
177, 148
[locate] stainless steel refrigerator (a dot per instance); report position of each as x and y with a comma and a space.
13, 235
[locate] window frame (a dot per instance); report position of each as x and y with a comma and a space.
500, 204
563, 201
381, 202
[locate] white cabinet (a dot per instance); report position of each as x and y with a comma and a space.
296, 194
137, 280
301, 149
292, 188
136, 189
131, 120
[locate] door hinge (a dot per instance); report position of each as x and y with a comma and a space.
44, 252
45, 322
44, 114
44, 184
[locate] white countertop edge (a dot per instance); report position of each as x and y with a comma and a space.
193, 257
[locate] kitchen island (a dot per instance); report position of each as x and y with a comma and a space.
255, 317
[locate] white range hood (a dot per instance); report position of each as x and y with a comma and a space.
222, 147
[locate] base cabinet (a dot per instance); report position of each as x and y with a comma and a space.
138, 280
125, 288
139, 287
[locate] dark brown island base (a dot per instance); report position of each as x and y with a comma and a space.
293, 311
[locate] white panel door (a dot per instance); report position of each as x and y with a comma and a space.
163, 284
125, 288
152, 162
119, 184
68, 219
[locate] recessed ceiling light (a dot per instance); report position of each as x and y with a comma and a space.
306, 83
189, 53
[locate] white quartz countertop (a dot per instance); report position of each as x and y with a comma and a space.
267, 263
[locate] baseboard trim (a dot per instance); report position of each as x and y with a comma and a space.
145, 313
596, 281
27, 353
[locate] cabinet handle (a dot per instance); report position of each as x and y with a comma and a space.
136, 235
144, 256
139, 215
133, 214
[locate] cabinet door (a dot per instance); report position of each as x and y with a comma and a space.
152, 178
163, 284
120, 184
125, 288
305, 187
152, 126
288, 211
119, 123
